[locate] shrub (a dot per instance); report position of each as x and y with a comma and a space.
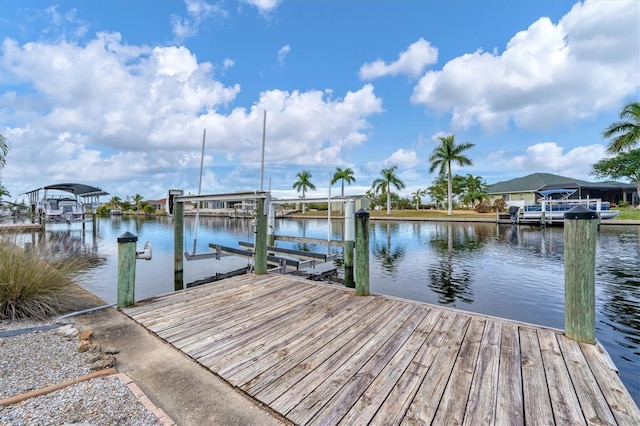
483, 207
38, 285
500, 205
103, 210
149, 209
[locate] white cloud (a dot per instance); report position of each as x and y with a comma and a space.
227, 63
282, 54
549, 157
403, 158
547, 73
411, 62
118, 110
263, 5
197, 11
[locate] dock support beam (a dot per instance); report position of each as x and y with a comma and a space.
580, 233
349, 243
362, 252
271, 226
260, 254
178, 244
126, 269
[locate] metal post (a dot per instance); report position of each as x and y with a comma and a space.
93, 221
349, 243
362, 252
178, 244
264, 133
271, 226
260, 247
329, 219
580, 233
126, 269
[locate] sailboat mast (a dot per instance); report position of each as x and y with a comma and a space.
264, 131
195, 234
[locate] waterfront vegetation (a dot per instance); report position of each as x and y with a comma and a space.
628, 213
37, 284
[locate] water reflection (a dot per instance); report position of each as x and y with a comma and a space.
388, 255
449, 279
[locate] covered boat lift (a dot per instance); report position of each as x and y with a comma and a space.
84, 195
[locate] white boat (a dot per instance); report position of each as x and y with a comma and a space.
61, 208
65, 202
555, 208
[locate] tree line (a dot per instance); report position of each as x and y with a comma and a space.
469, 189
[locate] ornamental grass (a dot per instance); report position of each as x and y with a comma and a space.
36, 282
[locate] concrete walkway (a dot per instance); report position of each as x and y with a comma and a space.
185, 391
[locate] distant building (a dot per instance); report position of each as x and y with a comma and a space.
523, 191
158, 204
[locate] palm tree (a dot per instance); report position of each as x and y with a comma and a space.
442, 157
475, 189
115, 201
302, 184
3, 191
625, 133
136, 200
384, 183
4, 150
416, 197
343, 175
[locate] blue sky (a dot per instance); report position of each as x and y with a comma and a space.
117, 93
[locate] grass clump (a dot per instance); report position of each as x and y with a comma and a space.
37, 284
629, 213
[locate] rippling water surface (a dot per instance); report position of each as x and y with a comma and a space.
504, 271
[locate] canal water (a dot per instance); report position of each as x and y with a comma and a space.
507, 271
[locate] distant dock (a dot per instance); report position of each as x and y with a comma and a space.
20, 227
317, 354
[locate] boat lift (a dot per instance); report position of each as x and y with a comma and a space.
265, 233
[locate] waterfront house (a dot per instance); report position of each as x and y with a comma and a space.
523, 191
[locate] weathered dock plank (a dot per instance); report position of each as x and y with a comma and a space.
480, 409
318, 354
566, 407
392, 410
510, 404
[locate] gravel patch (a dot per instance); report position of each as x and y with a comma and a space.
40, 359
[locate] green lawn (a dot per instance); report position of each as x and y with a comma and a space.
628, 213
400, 214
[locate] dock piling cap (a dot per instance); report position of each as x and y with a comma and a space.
580, 212
127, 237
362, 213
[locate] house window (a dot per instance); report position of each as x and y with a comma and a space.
506, 197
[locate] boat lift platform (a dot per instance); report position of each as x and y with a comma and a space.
312, 265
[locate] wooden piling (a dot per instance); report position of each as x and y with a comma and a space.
178, 244
580, 233
362, 252
260, 253
126, 269
349, 243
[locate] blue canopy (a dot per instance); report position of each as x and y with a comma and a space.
548, 192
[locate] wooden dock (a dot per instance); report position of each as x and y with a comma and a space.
20, 227
317, 354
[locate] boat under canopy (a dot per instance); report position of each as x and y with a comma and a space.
65, 207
